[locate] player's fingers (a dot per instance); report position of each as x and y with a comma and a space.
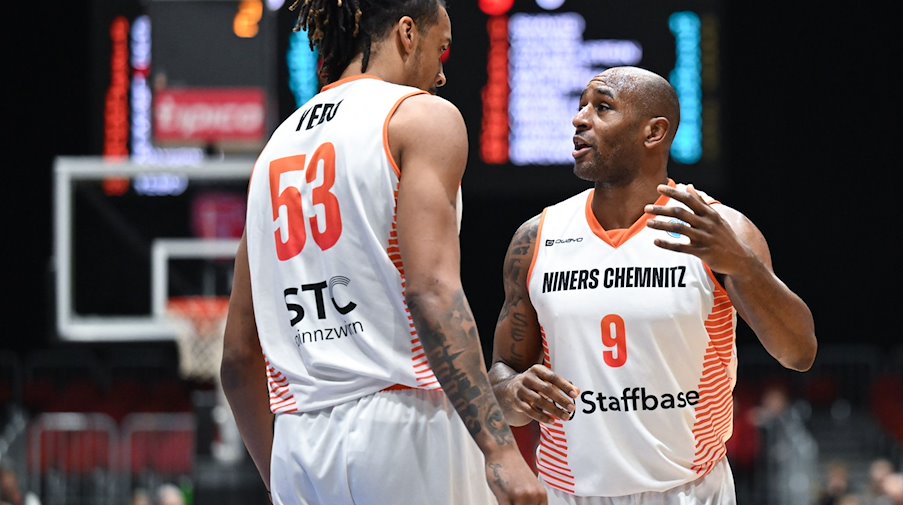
565, 386
552, 385
679, 215
675, 246
539, 407
673, 226
552, 402
690, 198
548, 412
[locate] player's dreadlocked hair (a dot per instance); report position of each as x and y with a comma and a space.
340, 29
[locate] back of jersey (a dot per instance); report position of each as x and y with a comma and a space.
326, 272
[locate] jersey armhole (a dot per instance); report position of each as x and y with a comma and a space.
386, 146
718, 285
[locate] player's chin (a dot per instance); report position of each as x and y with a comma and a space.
583, 169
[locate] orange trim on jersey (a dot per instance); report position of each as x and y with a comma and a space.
397, 387
617, 237
715, 410
386, 146
552, 450
542, 219
282, 401
420, 365
552, 457
714, 279
346, 80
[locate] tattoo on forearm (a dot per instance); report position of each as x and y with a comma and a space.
519, 327
453, 347
497, 478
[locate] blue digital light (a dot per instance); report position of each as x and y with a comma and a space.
687, 81
302, 68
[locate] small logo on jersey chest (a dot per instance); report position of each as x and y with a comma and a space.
550, 241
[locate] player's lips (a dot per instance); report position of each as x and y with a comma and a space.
581, 147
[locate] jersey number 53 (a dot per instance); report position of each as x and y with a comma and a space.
291, 236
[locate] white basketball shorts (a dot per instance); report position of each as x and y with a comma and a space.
393, 447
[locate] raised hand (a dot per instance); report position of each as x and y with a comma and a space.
711, 237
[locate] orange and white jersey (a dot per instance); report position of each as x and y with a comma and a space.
648, 336
326, 272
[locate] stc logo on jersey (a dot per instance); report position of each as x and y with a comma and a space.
309, 301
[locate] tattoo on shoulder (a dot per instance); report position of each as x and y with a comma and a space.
517, 261
524, 238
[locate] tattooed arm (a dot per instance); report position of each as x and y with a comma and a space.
526, 388
427, 225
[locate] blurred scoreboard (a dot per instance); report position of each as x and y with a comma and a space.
178, 80
217, 76
532, 58
187, 91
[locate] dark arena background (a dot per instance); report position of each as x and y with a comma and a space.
107, 390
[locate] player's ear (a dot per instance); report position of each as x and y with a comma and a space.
406, 33
657, 130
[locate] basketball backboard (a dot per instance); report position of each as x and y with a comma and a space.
129, 237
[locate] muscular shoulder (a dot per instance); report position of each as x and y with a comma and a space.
736, 219
427, 122
745, 229
427, 116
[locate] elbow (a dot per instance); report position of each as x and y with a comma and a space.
426, 301
228, 373
237, 367
802, 359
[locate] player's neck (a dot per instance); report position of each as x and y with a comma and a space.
383, 64
619, 206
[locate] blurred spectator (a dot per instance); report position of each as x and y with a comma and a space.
789, 449
879, 469
170, 494
744, 446
892, 486
836, 485
10, 491
141, 497
850, 499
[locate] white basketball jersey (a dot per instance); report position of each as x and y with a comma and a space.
647, 335
326, 272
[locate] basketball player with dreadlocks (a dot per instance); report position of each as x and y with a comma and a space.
351, 357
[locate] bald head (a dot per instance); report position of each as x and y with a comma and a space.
647, 93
